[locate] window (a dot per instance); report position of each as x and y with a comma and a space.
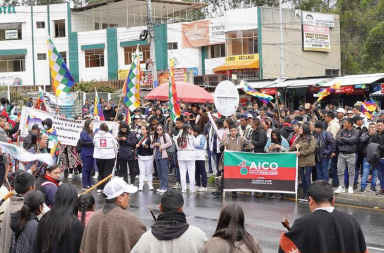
113, 25
128, 51
40, 24
172, 46
94, 58
213, 80
216, 51
59, 28
332, 72
97, 26
198, 80
10, 31
41, 57
242, 42
247, 74
12, 63
104, 26
64, 56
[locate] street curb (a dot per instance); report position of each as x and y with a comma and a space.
369, 200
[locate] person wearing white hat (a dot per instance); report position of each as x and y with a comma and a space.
113, 229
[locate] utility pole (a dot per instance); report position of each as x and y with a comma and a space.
281, 42
152, 42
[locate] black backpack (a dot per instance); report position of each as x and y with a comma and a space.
78, 146
373, 154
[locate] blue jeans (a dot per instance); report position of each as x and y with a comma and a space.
335, 178
364, 178
162, 171
209, 160
88, 165
380, 170
306, 178
322, 170
200, 172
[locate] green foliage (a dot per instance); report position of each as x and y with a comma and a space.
91, 85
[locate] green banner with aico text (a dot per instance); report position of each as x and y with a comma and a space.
272, 172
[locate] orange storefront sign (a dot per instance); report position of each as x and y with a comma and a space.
196, 34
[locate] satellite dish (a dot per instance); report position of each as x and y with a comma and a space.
226, 98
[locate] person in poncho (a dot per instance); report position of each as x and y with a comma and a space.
325, 229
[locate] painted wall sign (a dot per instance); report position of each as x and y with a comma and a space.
7, 9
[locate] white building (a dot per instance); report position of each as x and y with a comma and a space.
97, 42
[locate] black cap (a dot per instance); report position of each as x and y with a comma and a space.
356, 118
35, 127
319, 124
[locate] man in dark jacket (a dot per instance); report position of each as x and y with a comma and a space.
379, 139
347, 141
109, 112
127, 144
359, 125
287, 128
325, 229
325, 148
27, 143
259, 136
365, 139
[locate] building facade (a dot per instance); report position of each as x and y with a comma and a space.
97, 42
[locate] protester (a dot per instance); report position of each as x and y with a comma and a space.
200, 144
365, 139
268, 126
145, 157
171, 233
215, 143
158, 117
86, 153
127, 141
244, 129
325, 149
105, 152
305, 145
24, 223
379, 139
59, 230
23, 182
295, 134
27, 143
161, 141
259, 136
325, 229
116, 229
49, 184
347, 142
173, 162
86, 208
109, 112
230, 235
287, 128
186, 158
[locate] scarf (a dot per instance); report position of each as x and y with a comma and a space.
56, 182
170, 226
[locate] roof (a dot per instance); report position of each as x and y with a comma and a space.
288, 83
377, 94
355, 79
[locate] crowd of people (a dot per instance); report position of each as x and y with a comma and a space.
333, 143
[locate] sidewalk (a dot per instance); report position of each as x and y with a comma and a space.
368, 199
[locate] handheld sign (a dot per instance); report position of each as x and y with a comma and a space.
226, 98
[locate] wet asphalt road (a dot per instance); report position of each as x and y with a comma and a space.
262, 215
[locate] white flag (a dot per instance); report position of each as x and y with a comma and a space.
25, 156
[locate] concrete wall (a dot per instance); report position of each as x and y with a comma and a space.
298, 63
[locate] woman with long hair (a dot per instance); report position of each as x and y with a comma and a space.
145, 157
161, 141
24, 223
305, 146
215, 143
276, 143
105, 152
59, 230
268, 126
49, 184
186, 158
200, 144
230, 235
86, 153
127, 143
86, 206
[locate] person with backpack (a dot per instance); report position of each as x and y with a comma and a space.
85, 149
161, 141
49, 184
365, 140
127, 144
24, 223
325, 149
186, 158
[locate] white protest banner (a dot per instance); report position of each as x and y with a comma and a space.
25, 156
68, 130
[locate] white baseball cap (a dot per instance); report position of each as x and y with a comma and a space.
341, 110
118, 186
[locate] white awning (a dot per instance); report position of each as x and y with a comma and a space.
355, 79
258, 85
299, 83
377, 94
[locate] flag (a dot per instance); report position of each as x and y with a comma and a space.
25, 156
327, 91
62, 79
249, 90
131, 87
368, 108
98, 111
128, 117
174, 106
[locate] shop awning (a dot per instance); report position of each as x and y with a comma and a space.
355, 79
249, 64
377, 94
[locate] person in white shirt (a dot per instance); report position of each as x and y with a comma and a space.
105, 153
200, 145
186, 158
